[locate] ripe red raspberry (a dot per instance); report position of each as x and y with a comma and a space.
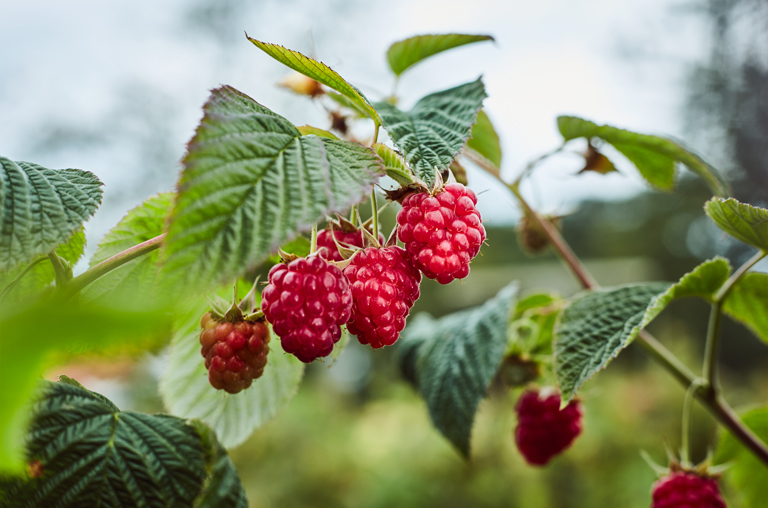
331, 252
307, 301
441, 233
384, 284
686, 489
543, 430
235, 353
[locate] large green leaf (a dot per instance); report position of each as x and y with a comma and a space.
41, 208
223, 487
93, 454
187, 392
394, 165
742, 221
39, 273
403, 54
435, 130
654, 156
319, 72
64, 327
252, 182
485, 141
596, 327
747, 302
747, 476
452, 360
135, 279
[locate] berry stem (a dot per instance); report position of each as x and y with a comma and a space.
685, 454
375, 214
81, 281
375, 133
313, 241
58, 267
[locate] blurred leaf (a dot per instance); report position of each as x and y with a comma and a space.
452, 361
403, 54
41, 208
346, 102
252, 182
742, 221
65, 327
748, 476
136, 278
532, 326
223, 486
93, 454
484, 140
308, 129
42, 274
747, 302
319, 72
394, 165
654, 156
596, 327
299, 246
187, 393
435, 130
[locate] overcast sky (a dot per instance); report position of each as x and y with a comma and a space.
116, 87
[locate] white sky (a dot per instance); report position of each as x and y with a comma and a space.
140, 69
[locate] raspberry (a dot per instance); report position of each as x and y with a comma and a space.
235, 353
543, 430
384, 284
307, 301
331, 252
686, 489
441, 233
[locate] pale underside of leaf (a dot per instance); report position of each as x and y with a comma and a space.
319, 72
742, 221
403, 54
436, 129
41, 208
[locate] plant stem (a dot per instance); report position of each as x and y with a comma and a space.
710, 349
81, 281
685, 453
738, 274
375, 133
58, 268
313, 241
375, 216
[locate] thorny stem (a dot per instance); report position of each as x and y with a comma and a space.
709, 397
106, 266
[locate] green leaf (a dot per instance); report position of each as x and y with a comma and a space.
137, 278
403, 54
596, 327
452, 361
319, 72
346, 102
64, 327
41, 208
485, 141
748, 476
223, 487
394, 165
531, 329
187, 393
747, 302
93, 454
41, 274
742, 221
435, 130
654, 156
252, 182
308, 129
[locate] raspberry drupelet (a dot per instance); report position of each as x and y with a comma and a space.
543, 430
307, 301
235, 353
441, 233
385, 285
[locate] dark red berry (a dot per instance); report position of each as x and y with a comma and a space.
307, 301
543, 430
235, 353
384, 284
686, 489
327, 247
441, 233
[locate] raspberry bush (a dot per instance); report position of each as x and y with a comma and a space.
252, 194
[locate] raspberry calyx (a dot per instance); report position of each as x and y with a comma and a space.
443, 232
307, 301
346, 235
384, 285
543, 430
